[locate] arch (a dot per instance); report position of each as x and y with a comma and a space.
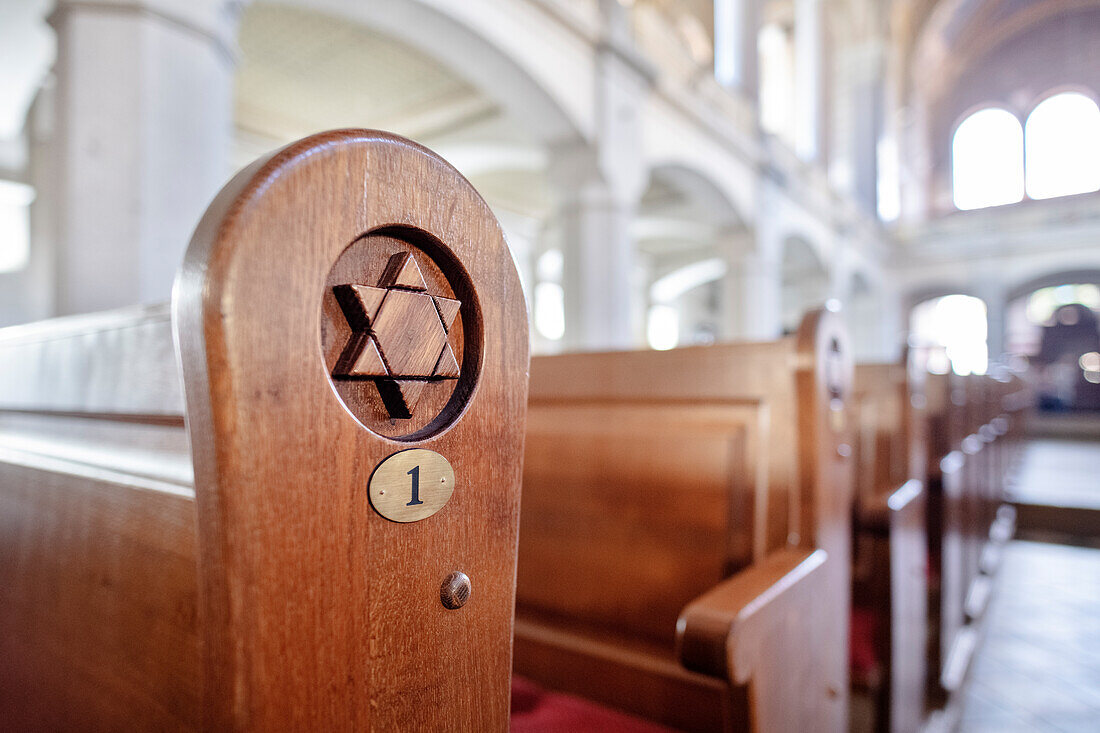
441, 31
950, 332
700, 189
684, 279
1062, 277
1029, 308
687, 231
804, 281
1068, 88
922, 293
874, 321
800, 251
1062, 146
860, 284
987, 159
684, 214
705, 173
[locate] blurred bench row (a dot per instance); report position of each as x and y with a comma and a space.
195, 530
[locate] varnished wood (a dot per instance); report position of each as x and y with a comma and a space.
753, 629
265, 593
652, 477
890, 586
399, 335
974, 426
98, 610
329, 617
419, 385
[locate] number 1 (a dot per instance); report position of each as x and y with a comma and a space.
415, 473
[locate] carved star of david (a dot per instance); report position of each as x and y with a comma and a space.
834, 371
398, 335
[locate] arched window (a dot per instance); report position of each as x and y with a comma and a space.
987, 160
776, 53
1062, 140
549, 295
949, 333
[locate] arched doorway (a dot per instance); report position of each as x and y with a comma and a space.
805, 281
948, 333
686, 233
1053, 330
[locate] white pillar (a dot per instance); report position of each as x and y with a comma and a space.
598, 185
875, 323
140, 141
995, 297
736, 57
593, 227
868, 93
751, 293
809, 71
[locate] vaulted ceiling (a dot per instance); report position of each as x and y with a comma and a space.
941, 39
303, 71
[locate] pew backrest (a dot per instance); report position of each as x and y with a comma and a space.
652, 477
352, 349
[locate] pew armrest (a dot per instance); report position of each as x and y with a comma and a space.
875, 515
725, 631
766, 632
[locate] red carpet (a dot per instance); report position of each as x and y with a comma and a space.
861, 643
535, 710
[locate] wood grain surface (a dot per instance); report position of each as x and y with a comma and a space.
98, 624
240, 579
891, 556
653, 477
318, 613
974, 426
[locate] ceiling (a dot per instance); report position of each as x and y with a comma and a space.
950, 35
302, 71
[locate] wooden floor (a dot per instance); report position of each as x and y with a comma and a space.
1038, 668
1064, 473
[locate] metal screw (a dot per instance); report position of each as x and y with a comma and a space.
455, 590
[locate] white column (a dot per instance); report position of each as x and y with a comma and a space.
593, 228
868, 91
598, 185
809, 72
736, 57
875, 323
751, 292
140, 142
994, 294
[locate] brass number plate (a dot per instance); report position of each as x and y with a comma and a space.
411, 485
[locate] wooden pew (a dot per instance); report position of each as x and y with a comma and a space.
973, 434
685, 533
960, 435
890, 555
200, 543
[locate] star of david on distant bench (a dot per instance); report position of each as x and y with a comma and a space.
398, 335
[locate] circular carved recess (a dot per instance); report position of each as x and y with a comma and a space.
401, 333
835, 360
